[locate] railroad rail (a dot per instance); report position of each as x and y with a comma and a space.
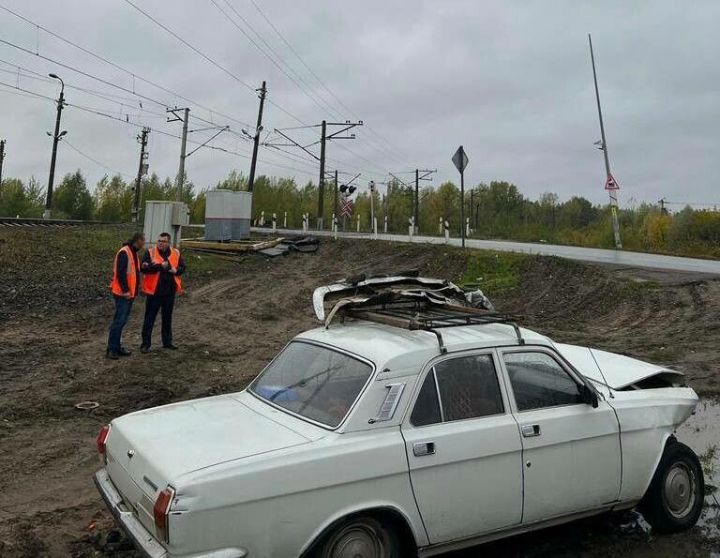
23, 222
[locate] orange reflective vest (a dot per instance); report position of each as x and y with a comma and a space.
131, 273
150, 280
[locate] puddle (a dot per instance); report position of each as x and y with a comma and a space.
702, 433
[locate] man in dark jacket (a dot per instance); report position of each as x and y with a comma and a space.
162, 267
125, 287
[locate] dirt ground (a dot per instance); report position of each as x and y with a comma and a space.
234, 318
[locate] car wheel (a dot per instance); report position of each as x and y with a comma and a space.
674, 499
362, 537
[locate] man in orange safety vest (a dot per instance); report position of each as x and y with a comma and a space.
125, 287
162, 267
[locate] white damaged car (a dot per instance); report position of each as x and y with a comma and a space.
413, 422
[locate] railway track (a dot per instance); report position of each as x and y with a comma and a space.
22, 222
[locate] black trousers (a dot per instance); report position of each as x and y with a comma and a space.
153, 305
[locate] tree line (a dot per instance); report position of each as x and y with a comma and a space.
495, 210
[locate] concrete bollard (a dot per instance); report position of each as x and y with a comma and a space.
274, 222
440, 226
262, 218
411, 228
447, 232
467, 226
358, 223
374, 226
334, 226
285, 221
386, 224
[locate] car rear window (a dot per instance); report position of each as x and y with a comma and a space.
314, 382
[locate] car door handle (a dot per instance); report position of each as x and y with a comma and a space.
423, 448
530, 430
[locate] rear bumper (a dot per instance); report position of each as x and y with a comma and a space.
136, 531
141, 537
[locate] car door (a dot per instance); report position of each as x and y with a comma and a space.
464, 449
571, 450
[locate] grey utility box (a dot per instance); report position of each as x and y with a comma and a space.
227, 215
165, 216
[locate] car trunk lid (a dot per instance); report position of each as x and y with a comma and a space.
148, 449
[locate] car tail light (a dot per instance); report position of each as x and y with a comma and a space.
161, 509
101, 438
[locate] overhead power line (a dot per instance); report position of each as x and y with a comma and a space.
320, 81
208, 58
119, 67
296, 79
102, 114
98, 163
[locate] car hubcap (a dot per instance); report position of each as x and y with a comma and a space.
680, 490
358, 542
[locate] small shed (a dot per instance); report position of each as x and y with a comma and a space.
227, 215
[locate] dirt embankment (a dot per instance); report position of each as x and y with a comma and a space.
233, 320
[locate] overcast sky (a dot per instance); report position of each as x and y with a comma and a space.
511, 81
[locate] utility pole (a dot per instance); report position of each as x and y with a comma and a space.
425, 176
142, 170
256, 139
321, 185
183, 146
2, 159
324, 138
610, 183
57, 136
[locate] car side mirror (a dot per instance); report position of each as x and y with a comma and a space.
589, 396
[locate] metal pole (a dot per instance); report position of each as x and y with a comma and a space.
612, 193
143, 137
256, 144
462, 203
2, 159
56, 140
335, 195
183, 151
321, 185
417, 200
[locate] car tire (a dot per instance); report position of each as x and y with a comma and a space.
360, 537
674, 499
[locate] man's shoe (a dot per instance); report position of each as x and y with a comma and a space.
144, 349
124, 352
171, 347
112, 355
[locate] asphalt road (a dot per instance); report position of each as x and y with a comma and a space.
593, 255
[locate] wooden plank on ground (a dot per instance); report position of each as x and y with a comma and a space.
234, 246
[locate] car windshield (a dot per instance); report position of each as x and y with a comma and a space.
313, 381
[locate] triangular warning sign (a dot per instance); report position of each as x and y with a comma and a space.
611, 183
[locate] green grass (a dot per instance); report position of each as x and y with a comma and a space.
493, 272
48, 268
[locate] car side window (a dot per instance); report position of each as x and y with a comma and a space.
538, 381
427, 406
468, 388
